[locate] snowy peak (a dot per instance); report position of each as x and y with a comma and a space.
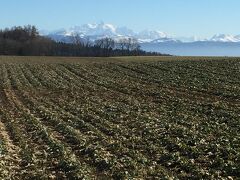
94, 30
124, 31
225, 38
153, 36
147, 34
97, 31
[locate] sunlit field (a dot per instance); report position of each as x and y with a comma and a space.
119, 118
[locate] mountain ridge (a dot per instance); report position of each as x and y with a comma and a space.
97, 31
154, 40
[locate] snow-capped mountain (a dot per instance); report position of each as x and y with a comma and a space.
94, 30
225, 38
164, 40
124, 31
148, 36
101, 30
153, 40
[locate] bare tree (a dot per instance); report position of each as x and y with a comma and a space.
88, 43
134, 45
106, 44
122, 44
76, 39
128, 44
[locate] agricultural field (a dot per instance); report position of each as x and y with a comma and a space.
119, 118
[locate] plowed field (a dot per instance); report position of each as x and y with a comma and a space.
119, 118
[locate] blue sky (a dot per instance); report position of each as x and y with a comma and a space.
202, 18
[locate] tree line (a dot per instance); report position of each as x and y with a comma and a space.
26, 41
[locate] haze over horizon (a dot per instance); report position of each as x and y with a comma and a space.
185, 18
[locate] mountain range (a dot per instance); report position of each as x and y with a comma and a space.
154, 40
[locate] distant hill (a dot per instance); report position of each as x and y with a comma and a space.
198, 48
